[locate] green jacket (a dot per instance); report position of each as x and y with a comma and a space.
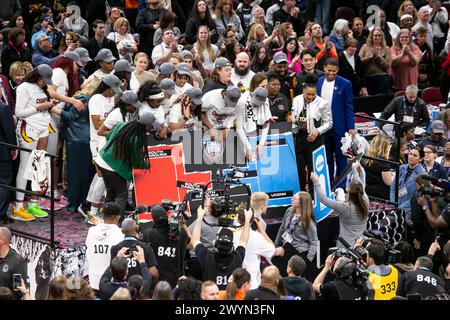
118, 165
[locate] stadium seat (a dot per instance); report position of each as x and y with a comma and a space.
432, 95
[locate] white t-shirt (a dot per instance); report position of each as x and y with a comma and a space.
99, 105
208, 64
257, 247
123, 43
28, 96
327, 91
114, 117
59, 79
176, 114
245, 80
219, 115
99, 241
159, 112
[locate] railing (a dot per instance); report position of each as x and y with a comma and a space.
396, 164
53, 242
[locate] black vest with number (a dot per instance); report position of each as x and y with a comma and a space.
346, 291
167, 253
219, 269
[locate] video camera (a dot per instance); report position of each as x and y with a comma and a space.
177, 216
223, 206
438, 187
360, 273
392, 255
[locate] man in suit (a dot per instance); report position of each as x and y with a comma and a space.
350, 67
338, 92
7, 156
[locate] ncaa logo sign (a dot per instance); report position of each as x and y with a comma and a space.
320, 163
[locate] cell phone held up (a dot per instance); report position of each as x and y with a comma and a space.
17, 280
131, 249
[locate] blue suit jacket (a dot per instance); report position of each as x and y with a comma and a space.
342, 106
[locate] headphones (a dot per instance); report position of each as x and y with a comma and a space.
338, 271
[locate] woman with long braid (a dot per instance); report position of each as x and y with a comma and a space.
126, 149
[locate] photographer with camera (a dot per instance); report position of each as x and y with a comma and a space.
421, 280
384, 279
131, 230
344, 286
219, 265
169, 249
116, 276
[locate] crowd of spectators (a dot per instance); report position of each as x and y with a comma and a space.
95, 82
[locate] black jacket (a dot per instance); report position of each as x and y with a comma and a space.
7, 131
396, 106
11, 54
261, 293
212, 85
421, 281
108, 285
93, 48
282, 16
299, 287
192, 27
353, 75
144, 26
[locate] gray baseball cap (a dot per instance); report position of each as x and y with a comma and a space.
438, 126
187, 54
83, 53
130, 97
222, 62
168, 85
196, 95
167, 68
105, 55
46, 73
232, 96
72, 55
114, 82
259, 96
148, 118
123, 65
183, 68
280, 57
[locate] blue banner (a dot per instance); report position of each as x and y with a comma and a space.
275, 173
321, 169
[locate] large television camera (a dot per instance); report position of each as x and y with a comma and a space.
178, 215
437, 188
360, 273
221, 205
392, 255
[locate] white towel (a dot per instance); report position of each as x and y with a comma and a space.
38, 171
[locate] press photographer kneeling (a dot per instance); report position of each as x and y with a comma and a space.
349, 283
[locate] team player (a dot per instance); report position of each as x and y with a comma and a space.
32, 109
99, 242
219, 110
100, 104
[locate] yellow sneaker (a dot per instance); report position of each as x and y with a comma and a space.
22, 215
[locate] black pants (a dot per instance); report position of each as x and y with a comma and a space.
6, 177
303, 153
116, 189
80, 172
